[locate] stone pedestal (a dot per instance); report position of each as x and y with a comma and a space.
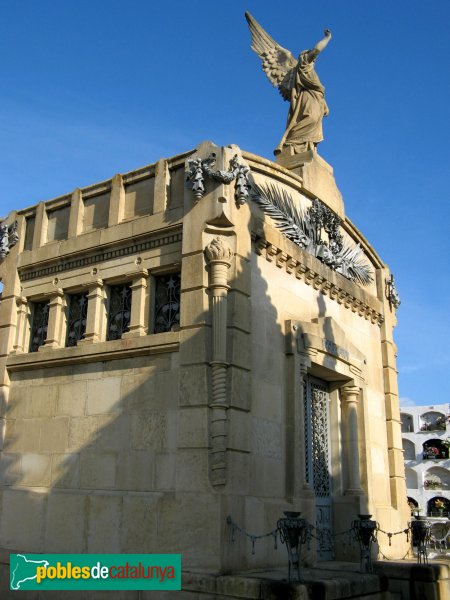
317, 175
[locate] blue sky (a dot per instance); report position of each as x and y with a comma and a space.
93, 88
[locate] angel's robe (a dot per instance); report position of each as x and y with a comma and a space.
308, 107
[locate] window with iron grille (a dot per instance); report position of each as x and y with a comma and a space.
119, 312
167, 302
76, 318
39, 325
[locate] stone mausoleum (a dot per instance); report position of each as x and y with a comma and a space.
207, 336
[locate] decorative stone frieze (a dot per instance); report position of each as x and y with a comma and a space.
218, 255
60, 264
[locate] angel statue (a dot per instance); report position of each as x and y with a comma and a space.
297, 82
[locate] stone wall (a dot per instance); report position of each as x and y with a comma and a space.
150, 441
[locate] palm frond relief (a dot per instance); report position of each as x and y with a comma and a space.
306, 227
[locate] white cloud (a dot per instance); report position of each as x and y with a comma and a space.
405, 401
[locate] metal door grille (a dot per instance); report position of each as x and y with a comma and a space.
317, 459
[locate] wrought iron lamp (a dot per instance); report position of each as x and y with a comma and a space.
293, 532
364, 529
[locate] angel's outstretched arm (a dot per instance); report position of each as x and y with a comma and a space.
313, 54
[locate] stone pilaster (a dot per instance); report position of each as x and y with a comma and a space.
349, 407
117, 201
76, 214
139, 310
23, 313
55, 321
218, 255
40, 226
162, 181
95, 314
393, 424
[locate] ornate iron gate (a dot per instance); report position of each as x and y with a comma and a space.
317, 460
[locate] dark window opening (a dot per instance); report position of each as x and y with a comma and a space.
119, 313
76, 318
39, 325
167, 302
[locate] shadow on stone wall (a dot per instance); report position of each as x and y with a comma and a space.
105, 457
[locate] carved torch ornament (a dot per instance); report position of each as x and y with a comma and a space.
199, 168
218, 256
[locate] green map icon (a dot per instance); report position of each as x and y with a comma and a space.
23, 569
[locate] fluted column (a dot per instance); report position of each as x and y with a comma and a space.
218, 255
349, 405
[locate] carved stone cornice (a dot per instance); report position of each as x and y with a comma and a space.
350, 393
58, 265
301, 270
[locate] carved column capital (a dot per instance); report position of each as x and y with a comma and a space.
303, 369
56, 296
21, 301
350, 393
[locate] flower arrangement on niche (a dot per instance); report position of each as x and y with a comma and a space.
431, 452
432, 484
438, 425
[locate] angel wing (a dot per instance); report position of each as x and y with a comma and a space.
277, 62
